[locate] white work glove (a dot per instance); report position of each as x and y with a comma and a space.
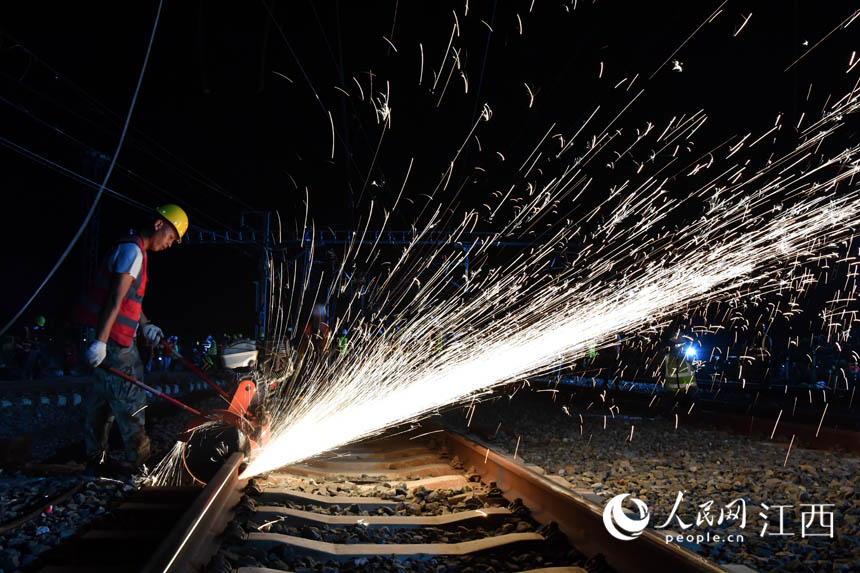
96, 352
152, 333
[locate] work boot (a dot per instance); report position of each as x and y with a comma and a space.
139, 457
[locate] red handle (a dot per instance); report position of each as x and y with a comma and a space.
137, 382
190, 366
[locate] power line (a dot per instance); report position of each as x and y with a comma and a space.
129, 173
32, 155
69, 173
183, 168
104, 181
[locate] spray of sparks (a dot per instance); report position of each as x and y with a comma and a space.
518, 322
626, 266
170, 470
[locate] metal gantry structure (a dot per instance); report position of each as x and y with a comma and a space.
255, 231
257, 237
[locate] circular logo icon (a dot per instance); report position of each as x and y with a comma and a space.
618, 524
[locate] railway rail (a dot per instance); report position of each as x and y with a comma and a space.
440, 501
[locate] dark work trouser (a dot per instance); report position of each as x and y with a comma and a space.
112, 398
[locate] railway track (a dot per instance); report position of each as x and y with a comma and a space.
128, 535
440, 502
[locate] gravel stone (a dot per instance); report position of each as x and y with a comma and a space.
704, 465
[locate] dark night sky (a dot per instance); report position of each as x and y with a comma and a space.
219, 130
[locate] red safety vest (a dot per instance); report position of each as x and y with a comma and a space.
90, 307
318, 339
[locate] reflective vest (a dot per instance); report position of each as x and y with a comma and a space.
437, 341
679, 372
89, 309
318, 339
342, 344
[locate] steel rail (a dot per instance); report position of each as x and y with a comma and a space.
191, 542
577, 517
35, 510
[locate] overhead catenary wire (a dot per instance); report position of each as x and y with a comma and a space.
104, 181
77, 176
181, 166
30, 154
144, 207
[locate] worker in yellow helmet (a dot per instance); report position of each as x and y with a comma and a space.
112, 311
680, 373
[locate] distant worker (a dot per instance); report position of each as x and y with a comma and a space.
211, 348
112, 310
592, 356
343, 343
679, 371
437, 341
30, 348
316, 333
197, 356
168, 356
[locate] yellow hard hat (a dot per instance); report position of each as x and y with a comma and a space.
176, 217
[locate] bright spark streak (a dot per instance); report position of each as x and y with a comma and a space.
425, 434
360, 90
421, 67
331, 121
385, 384
678, 49
445, 55
325, 423
747, 19
283, 76
775, 424
844, 24
852, 62
170, 470
274, 521
390, 43
822, 420
791, 443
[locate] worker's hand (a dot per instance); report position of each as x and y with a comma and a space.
152, 333
96, 353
